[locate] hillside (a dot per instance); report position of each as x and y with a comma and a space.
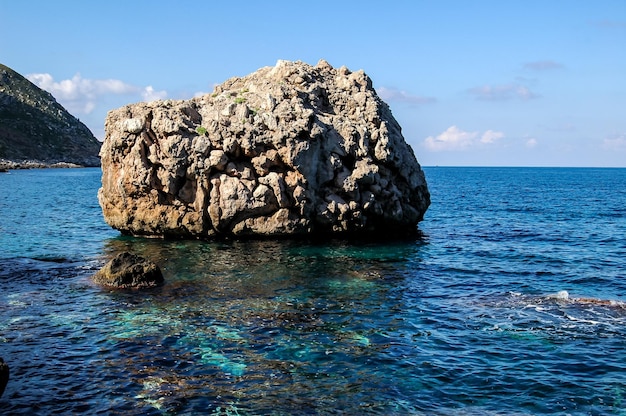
35, 127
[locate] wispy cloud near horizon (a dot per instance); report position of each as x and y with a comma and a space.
455, 139
394, 94
615, 143
546, 65
503, 92
610, 24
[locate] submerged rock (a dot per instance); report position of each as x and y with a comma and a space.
127, 270
4, 376
287, 150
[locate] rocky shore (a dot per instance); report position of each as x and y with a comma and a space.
6, 165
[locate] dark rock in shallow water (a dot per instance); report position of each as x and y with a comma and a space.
4, 376
128, 271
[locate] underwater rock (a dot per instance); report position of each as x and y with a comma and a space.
127, 270
4, 376
564, 296
288, 150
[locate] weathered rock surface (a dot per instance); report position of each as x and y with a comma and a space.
287, 150
128, 271
36, 130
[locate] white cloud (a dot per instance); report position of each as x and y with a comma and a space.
617, 143
490, 136
502, 92
531, 143
149, 94
393, 94
456, 139
451, 139
81, 95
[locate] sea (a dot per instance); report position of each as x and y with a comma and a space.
510, 301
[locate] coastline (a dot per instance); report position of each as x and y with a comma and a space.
7, 165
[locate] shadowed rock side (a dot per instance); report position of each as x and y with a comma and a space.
288, 150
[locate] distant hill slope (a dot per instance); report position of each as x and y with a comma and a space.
33, 126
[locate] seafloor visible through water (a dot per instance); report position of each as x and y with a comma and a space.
469, 319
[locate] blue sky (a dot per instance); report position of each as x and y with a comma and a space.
532, 83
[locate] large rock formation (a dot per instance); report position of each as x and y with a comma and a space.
36, 128
287, 150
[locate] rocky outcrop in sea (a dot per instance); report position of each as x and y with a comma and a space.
292, 149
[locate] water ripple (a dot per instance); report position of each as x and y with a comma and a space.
471, 319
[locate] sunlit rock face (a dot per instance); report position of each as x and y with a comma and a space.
288, 150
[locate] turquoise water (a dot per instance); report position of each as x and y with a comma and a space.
464, 320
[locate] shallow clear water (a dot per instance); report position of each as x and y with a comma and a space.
464, 320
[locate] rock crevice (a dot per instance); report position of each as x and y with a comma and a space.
288, 150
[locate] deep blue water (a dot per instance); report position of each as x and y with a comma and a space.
464, 320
